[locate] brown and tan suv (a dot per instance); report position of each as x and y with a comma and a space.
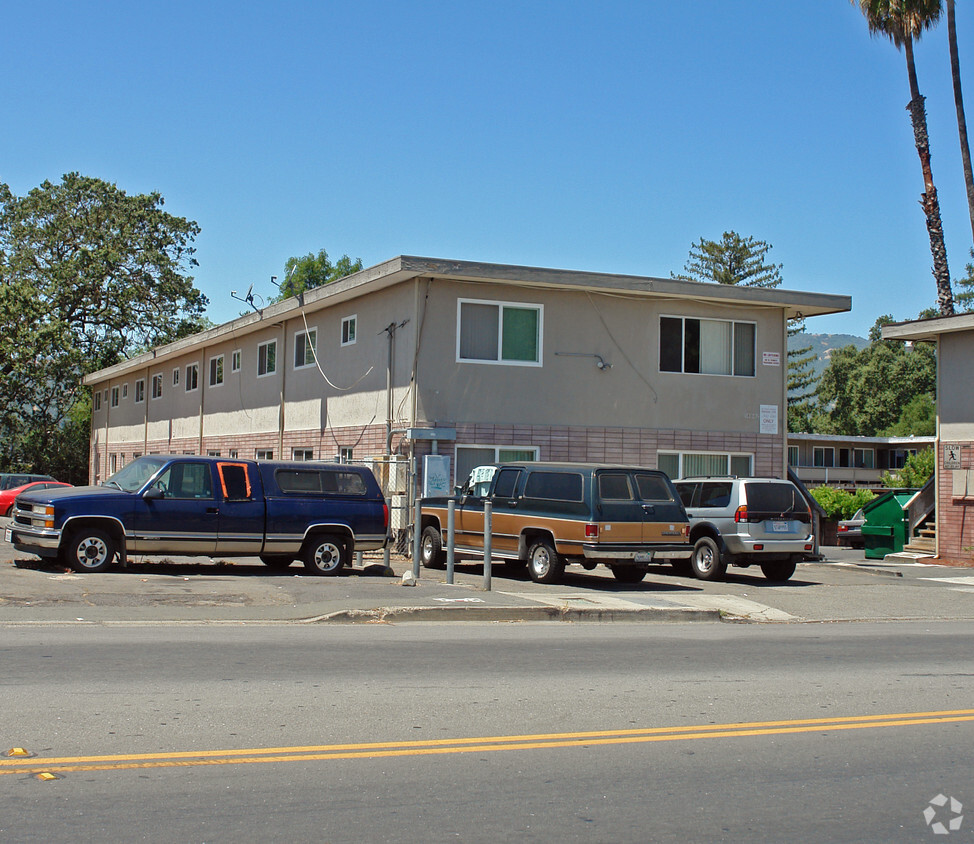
548, 515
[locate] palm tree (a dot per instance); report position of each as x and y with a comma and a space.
902, 21
965, 149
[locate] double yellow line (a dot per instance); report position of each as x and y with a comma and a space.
481, 744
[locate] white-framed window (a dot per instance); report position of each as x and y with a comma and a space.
125, 390
213, 452
115, 394
864, 458
305, 346
499, 332
793, 455
175, 377
467, 457
96, 400
706, 346
345, 454
113, 458
140, 391
216, 371
267, 358
157, 386
349, 328
695, 464
823, 456
192, 377
232, 454
264, 454
302, 454
235, 359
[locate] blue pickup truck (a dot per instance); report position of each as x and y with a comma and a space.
208, 506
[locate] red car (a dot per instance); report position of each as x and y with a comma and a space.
7, 496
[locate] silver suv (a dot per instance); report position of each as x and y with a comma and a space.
746, 521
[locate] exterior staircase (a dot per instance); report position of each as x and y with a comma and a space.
924, 540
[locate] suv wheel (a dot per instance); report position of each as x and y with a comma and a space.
544, 564
778, 571
706, 562
431, 552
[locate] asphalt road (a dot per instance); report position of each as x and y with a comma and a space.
486, 733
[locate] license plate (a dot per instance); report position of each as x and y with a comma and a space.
780, 527
644, 557
8, 535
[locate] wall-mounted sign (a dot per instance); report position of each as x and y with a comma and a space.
952, 456
769, 419
771, 358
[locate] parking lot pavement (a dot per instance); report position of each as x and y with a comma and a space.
199, 590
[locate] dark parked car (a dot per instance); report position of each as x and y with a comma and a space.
9, 480
850, 530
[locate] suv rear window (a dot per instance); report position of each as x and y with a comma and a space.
554, 486
653, 488
776, 500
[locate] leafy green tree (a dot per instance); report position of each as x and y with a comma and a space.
88, 276
310, 271
731, 260
917, 470
903, 21
863, 392
918, 418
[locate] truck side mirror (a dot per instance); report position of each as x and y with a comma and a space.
153, 493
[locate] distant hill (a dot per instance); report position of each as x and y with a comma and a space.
823, 344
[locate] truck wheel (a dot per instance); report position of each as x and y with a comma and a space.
90, 550
324, 555
779, 572
544, 564
706, 562
628, 574
276, 561
431, 553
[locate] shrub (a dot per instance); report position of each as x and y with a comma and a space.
840, 503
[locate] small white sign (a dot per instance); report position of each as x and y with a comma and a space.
952, 456
771, 358
769, 419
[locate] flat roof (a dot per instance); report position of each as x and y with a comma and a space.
794, 303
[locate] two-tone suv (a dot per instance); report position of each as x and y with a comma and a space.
548, 515
744, 522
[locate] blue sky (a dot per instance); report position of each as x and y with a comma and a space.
578, 135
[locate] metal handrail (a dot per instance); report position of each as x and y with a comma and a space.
921, 505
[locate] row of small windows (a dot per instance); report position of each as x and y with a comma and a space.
305, 346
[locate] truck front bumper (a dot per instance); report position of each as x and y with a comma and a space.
44, 542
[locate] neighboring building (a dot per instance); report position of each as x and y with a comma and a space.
954, 338
849, 462
481, 362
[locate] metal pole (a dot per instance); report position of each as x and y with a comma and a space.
417, 537
488, 507
451, 518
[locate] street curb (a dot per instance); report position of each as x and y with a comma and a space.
396, 614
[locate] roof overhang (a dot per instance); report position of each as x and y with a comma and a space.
792, 303
928, 329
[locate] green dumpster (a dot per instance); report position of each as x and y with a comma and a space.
887, 528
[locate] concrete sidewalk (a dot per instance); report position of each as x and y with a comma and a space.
157, 590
